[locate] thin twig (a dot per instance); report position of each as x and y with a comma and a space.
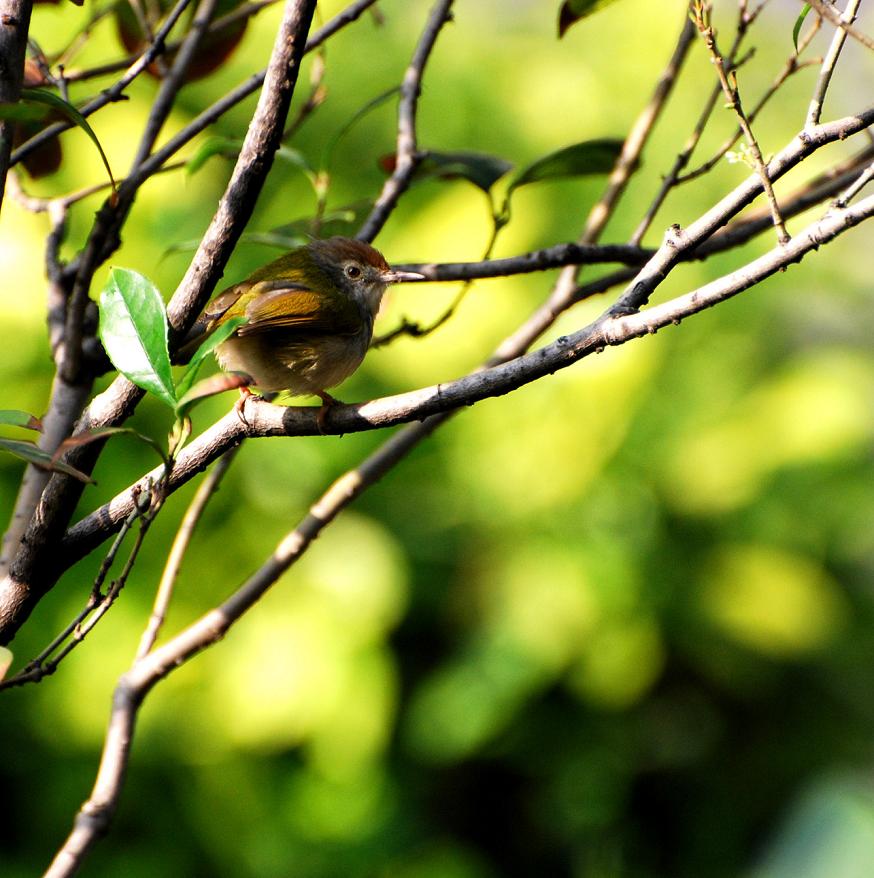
728, 80
792, 66
562, 294
826, 11
406, 156
817, 99
856, 187
174, 79
193, 514
112, 94
46, 663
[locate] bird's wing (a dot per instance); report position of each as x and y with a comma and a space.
277, 304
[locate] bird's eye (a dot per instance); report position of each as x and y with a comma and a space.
353, 271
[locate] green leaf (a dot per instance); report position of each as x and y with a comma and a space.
580, 159
796, 31
29, 452
211, 386
133, 329
573, 10
225, 331
224, 146
478, 168
41, 96
20, 419
20, 112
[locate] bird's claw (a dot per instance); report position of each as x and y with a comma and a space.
240, 406
322, 416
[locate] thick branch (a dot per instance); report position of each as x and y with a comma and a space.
25, 584
264, 419
14, 26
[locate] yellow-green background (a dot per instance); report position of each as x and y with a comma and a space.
619, 622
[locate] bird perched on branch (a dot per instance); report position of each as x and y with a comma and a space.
308, 318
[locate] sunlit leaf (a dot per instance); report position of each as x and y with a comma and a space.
225, 331
15, 418
133, 329
41, 96
578, 160
211, 386
29, 452
573, 10
796, 31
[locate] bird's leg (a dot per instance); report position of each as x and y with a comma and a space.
240, 405
327, 402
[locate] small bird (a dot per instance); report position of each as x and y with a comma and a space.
309, 318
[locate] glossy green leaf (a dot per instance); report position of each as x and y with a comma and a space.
14, 418
573, 11
796, 31
29, 452
578, 160
41, 96
133, 329
225, 331
211, 386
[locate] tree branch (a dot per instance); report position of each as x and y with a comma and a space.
17, 592
14, 27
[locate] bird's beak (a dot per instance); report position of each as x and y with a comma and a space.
397, 277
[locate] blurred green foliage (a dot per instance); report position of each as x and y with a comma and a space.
616, 623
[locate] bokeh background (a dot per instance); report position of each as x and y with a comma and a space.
617, 623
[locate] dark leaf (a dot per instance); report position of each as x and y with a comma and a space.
478, 168
41, 96
29, 452
578, 160
573, 10
133, 329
